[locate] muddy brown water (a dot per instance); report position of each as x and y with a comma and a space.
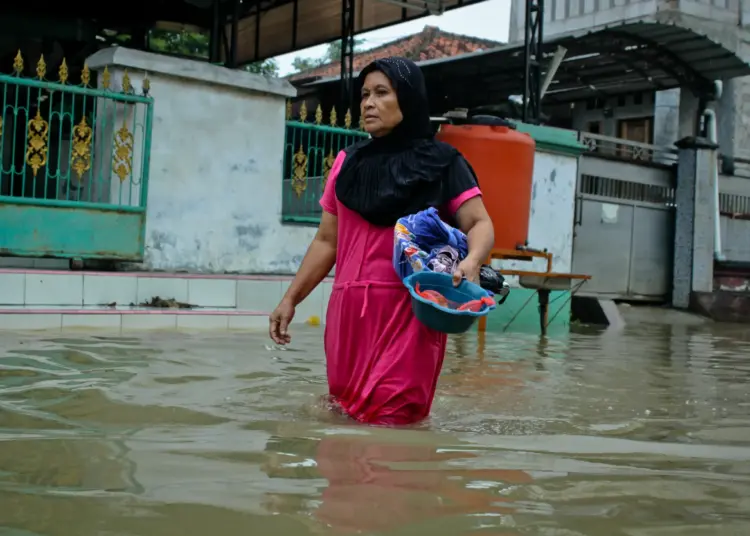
639, 433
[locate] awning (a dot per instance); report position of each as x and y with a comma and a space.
627, 58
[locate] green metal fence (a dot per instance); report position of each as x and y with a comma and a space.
309, 152
74, 162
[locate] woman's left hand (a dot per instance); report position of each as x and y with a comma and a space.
467, 269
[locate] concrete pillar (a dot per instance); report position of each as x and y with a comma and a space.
727, 120
694, 220
666, 117
688, 113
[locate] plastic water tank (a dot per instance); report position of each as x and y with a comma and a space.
503, 160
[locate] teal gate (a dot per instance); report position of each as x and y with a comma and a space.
74, 164
309, 152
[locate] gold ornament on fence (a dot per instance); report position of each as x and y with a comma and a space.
18, 63
122, 160
36, 148
106, 78
348, 119
318, 115
85, 75
327, 166
299, 172
41, 68
303, 112
62, 72
334, 117
126, 85
288, 110
80, 160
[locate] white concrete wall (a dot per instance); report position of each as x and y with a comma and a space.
564, 16
552, 212
214, 199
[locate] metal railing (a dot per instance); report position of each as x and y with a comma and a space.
73, 145
310, 149
621, 149
734, 197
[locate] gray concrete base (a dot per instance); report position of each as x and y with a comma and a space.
596, 312
722, 305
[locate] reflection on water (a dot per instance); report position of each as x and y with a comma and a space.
641, 433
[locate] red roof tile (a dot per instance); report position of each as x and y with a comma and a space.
431, 43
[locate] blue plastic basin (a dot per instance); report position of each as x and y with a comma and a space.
441, 318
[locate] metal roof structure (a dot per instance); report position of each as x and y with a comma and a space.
268, 28
260, 29
631, 57
284, 26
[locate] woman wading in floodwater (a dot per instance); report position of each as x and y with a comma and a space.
383, 364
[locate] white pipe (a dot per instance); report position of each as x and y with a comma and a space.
710, 118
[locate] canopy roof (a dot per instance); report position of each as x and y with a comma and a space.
638, 56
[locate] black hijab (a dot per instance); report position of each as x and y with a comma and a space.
408, 170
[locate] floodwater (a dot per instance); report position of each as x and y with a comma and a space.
640, 433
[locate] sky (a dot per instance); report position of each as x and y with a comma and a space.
487, 20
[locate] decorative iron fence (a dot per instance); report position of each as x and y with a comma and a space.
66, 146
309, 152
66, 143
633, 151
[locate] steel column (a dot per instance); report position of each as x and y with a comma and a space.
533, 34
347, 53
232, 63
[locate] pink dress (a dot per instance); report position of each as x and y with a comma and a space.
383, 364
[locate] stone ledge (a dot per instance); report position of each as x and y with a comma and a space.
190, 70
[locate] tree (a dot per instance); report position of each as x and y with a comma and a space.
303, 64
332, 55
183, 43
334, 49
266, 68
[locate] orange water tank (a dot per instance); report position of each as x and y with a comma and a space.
503, 160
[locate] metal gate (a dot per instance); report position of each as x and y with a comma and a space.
74, 162
624, 224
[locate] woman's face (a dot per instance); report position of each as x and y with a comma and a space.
379, 106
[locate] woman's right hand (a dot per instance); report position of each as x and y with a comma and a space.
279, 322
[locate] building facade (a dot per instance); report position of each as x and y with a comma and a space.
664, 116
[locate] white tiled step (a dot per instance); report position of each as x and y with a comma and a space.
40, 318
49, 288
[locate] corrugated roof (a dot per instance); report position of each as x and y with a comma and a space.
637, 56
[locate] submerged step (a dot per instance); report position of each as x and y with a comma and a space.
118, 318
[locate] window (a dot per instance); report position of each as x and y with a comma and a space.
594, 127
639, 130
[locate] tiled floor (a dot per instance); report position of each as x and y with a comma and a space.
37, 287
37, 299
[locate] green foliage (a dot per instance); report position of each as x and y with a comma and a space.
333, 54
183, 43
196, 45
267, 68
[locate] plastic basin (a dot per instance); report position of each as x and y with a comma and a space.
441, 318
